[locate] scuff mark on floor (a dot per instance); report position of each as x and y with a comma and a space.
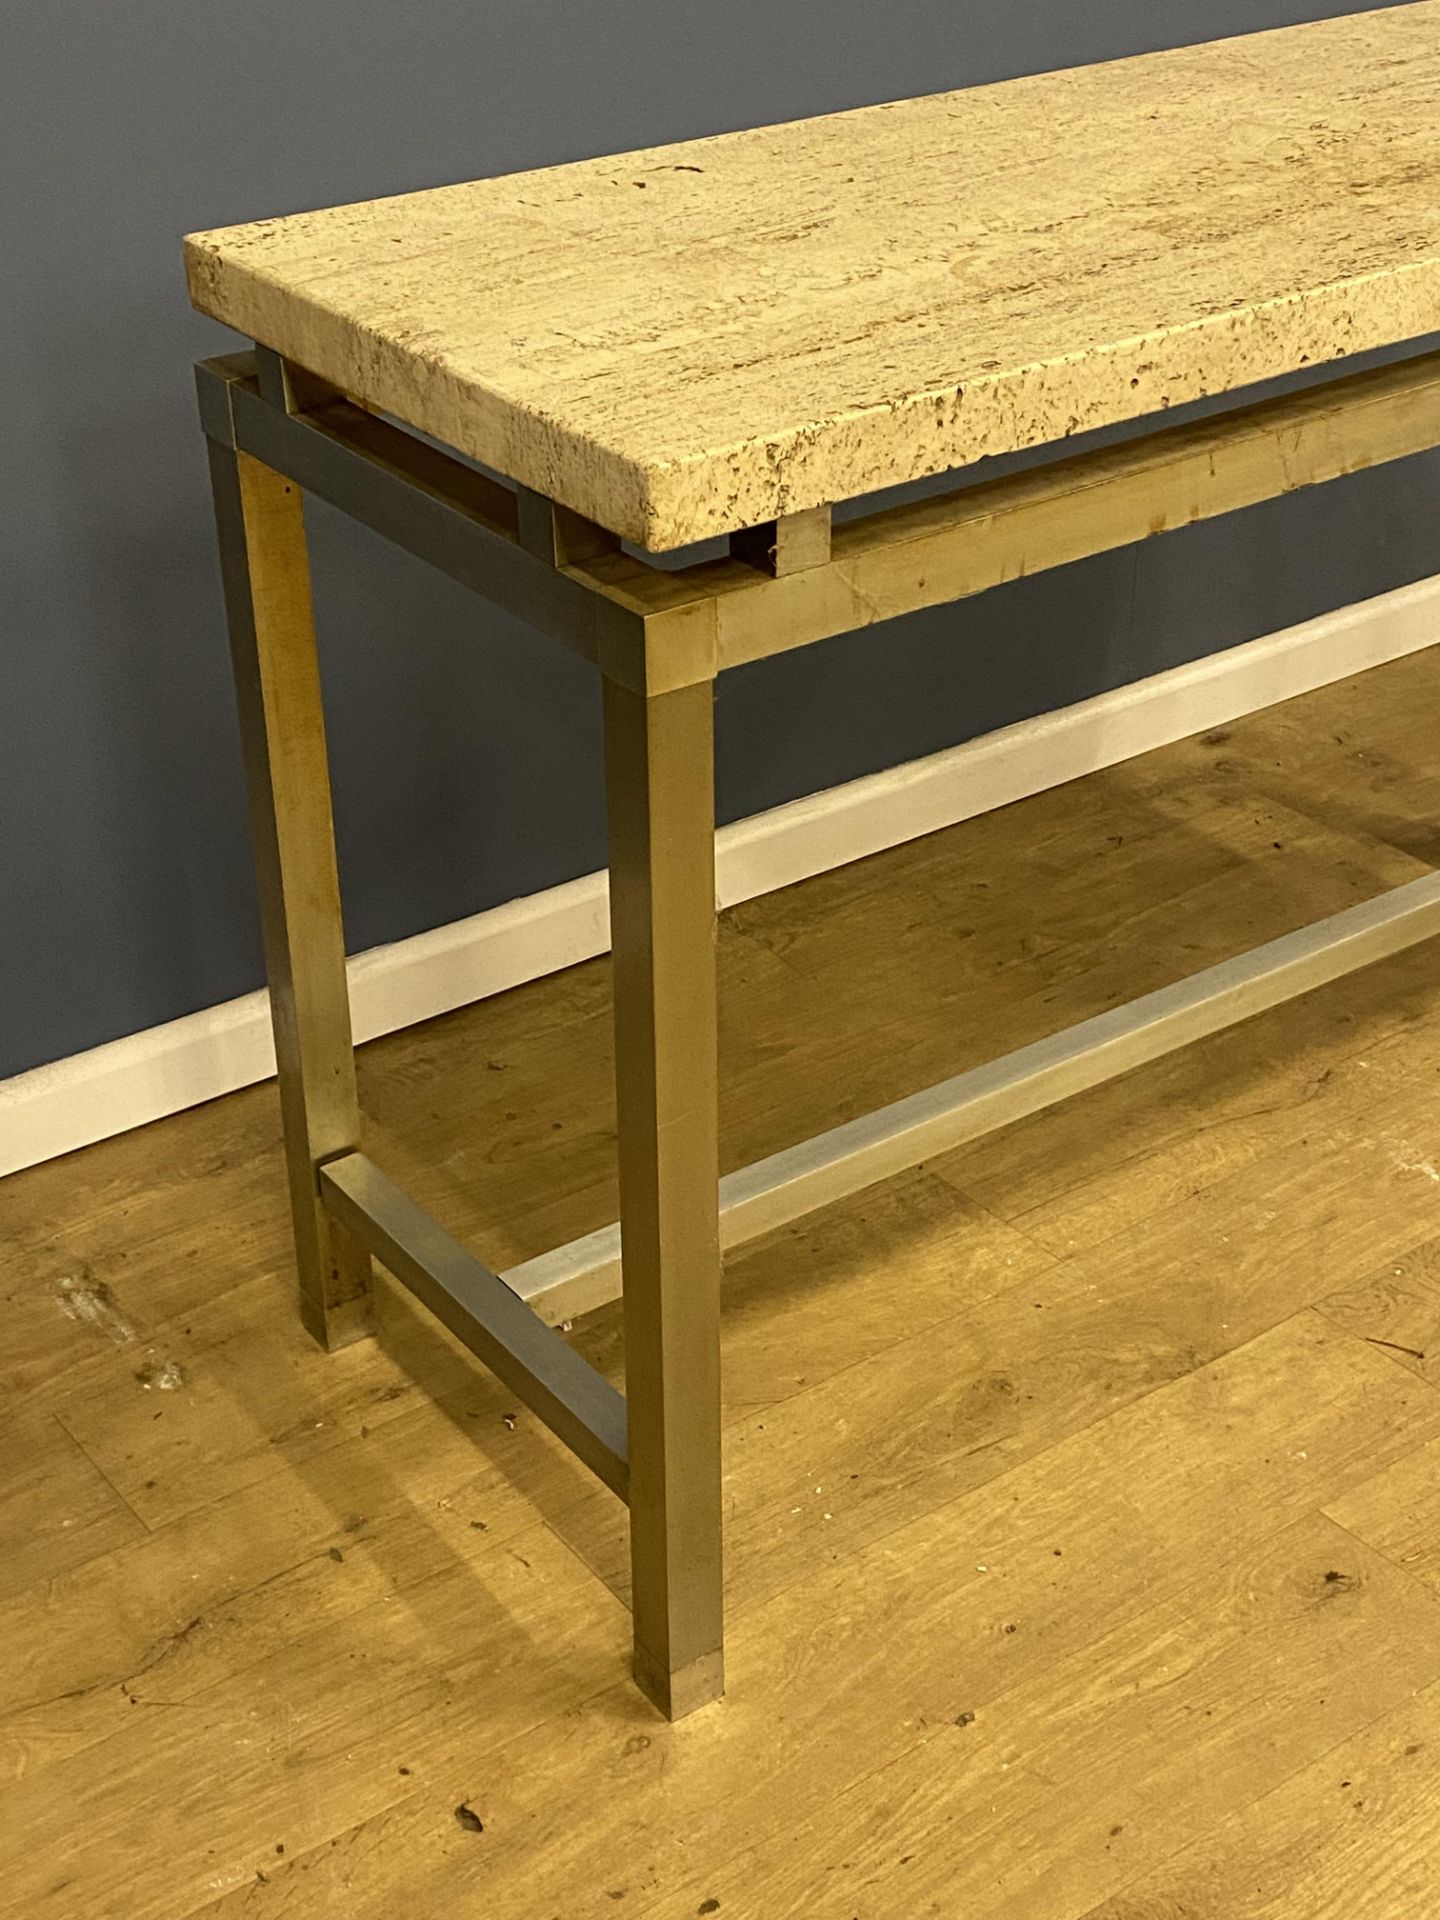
90, 1301
167, 1376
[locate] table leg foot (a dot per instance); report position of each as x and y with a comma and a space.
679, 1694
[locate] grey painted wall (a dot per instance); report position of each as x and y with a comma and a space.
466, 750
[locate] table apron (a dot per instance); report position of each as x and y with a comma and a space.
655, 629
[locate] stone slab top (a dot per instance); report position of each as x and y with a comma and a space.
692, 339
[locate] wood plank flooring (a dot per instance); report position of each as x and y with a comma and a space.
1084, 1540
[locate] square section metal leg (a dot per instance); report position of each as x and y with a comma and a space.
260, 520
660, 777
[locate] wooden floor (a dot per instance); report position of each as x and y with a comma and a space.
1083, 1486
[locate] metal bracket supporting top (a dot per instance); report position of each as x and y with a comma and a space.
458, 520
795, 582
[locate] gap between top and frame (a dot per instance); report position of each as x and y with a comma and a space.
655, 628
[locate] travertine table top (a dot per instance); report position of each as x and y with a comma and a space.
695, 338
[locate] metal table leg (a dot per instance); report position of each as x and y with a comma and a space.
660, 777
261, 524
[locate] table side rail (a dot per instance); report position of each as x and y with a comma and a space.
953, 545
654, 628
786, 1186
421, 499
578, 1404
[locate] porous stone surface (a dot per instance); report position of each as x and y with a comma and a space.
691, 339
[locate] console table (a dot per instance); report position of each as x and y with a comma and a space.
725, 339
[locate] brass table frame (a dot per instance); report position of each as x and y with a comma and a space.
659, 638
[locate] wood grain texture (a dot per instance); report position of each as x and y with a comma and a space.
696, 338
1354, 1834
1039, 1461
871, 1662
1309, 1638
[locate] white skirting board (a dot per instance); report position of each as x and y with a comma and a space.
165, 1069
